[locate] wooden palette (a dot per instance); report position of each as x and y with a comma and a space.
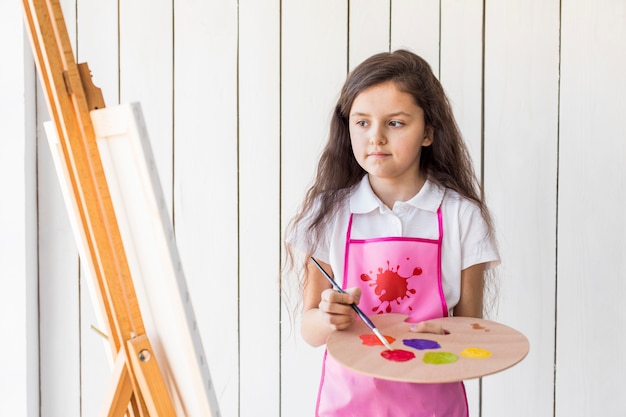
505, 346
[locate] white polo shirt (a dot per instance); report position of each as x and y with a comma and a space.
465, 240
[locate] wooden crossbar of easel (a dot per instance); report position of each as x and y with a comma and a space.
138, 386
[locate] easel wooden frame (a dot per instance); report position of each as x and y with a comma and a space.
138, 387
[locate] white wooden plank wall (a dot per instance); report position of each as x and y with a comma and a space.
520, 165
19, 344
259, 207
313, 64
237, 95
591, 264
205, 179
460, 64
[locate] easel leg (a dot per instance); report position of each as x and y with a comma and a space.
148, 375
120, 390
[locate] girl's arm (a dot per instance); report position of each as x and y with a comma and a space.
472, 284
324, 310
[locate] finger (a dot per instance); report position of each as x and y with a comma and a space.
336, 308
428, 327
333, 296
355, 292
340, 321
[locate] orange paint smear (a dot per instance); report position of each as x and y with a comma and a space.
372, 340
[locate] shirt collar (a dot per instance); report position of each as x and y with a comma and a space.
363, 199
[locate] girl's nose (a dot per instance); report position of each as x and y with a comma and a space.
377, 137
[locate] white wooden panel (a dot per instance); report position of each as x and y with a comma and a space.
461, 77
369, 29
205, 181
415, 26
314, 62
146, 74
259, 207
461, 68
98, 46
592, 203
58, 296
521, 126
19, 351
59, 319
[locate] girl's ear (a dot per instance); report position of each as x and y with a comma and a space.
429, 134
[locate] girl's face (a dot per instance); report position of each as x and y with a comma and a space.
387, 132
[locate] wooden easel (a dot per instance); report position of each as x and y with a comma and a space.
138, 388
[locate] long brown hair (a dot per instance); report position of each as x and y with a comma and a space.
446, 162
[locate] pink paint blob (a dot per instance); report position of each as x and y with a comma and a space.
371, 340
397, 355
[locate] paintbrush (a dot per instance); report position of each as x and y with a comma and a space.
361, 314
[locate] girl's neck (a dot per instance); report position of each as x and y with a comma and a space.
390, 191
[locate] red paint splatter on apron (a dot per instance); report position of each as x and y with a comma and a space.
390, 286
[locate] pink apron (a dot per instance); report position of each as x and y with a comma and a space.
396, 275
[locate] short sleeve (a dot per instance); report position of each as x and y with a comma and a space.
477, 244
300, 238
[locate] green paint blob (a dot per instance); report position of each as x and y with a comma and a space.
439, 358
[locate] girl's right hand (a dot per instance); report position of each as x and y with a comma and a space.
323, 309
337, 308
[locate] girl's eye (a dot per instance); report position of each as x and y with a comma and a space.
361, 123
395, 123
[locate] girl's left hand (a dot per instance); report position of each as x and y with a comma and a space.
428, 327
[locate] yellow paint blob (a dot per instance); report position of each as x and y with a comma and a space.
475, 353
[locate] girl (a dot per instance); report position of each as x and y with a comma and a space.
395, 195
